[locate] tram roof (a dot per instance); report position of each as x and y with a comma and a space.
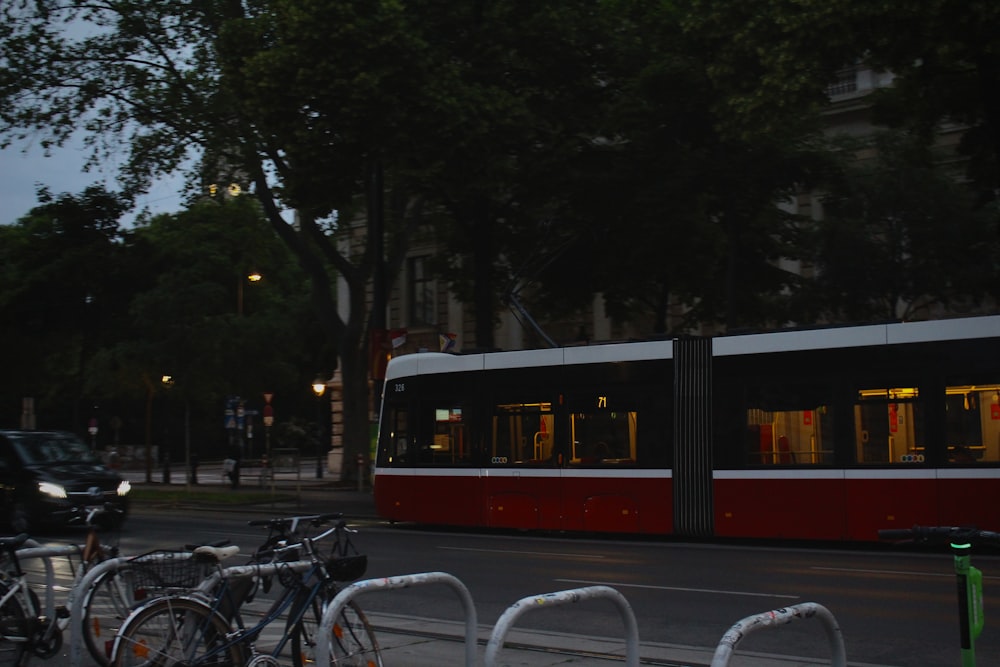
758, 343
895, 333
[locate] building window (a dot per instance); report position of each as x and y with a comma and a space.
421, 292
845, 83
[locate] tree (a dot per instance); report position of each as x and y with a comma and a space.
684, 220
200, 323
946, 62
516, 97
63, 296
774, 59
899, 237
298, 100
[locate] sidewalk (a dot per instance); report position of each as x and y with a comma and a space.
428, 642
422, 642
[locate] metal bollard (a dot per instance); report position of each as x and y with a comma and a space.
524, 605
776, 617
391, 583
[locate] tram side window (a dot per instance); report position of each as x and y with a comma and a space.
889, 425
603, 430
444, 438
973, 423
789, 425
604, 438
522, 434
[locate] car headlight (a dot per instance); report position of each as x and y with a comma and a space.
124, 487
52, 490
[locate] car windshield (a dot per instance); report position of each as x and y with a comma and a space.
45, 448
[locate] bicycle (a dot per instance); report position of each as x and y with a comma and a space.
26, 624
30, 624
205, 627
110, 598
970, 579
22, 625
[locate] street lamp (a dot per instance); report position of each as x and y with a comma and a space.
252, 277
319, 387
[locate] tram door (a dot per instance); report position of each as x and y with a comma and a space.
522, 480
885, 428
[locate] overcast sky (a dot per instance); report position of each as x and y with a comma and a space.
21, 172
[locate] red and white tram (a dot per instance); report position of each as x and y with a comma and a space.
824, 434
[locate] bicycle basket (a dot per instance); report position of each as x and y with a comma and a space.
166, 570
347, 568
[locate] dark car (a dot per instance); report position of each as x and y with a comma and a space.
50, 477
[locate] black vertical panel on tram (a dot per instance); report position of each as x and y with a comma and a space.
692, 476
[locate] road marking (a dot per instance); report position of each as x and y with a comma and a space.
678, 588
525, 553
908, 573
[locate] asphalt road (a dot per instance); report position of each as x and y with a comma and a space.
894, 607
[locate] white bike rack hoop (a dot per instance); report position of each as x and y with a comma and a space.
771, 619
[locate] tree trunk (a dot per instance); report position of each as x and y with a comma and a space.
482, 271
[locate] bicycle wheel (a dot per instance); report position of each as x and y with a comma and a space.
106, 605
352, 642
13, 630
175, 631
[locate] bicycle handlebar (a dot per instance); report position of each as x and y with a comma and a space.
940, 535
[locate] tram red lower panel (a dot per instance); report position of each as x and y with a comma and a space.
618, 504
775, 505
969, 497
771, 504
530, 499
454, 499
852, 504
889, 499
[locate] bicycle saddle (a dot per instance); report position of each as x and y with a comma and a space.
218, 553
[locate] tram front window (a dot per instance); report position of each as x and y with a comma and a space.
395, 446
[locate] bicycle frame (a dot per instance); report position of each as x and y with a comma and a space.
246, 635
16, 591
303, 595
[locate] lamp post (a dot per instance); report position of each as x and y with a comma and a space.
168, 382
319, 388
